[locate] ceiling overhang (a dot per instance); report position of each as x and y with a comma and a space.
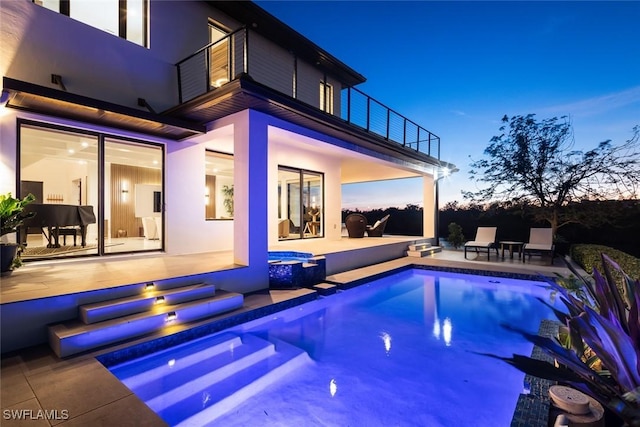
53, 102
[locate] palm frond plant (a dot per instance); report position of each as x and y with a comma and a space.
12, 216
602, 324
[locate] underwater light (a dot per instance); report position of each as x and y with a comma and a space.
333, 387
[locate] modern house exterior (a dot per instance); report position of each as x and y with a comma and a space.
191, 127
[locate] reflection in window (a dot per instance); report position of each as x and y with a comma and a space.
300, 195
218, 190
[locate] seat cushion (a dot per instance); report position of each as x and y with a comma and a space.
538, 247
479, 244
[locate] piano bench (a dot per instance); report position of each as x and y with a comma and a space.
64, 232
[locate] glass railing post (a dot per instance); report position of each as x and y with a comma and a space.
179, 85
245, 53
388, 121
207, 68
404, 132
349, 105
368, 111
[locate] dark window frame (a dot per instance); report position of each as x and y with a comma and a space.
101, 139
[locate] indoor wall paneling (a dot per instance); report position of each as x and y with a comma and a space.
123, 181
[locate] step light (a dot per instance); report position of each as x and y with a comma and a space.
171, 316
149, 286
159, 300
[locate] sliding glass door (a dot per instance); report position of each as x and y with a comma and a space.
133, 196
60, 168
300, 194
95, 194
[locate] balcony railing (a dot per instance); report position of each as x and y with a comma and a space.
222, 61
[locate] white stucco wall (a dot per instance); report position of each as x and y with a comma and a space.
38, 42
301, 158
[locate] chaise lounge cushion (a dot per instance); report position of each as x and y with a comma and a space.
485, 239
378, 227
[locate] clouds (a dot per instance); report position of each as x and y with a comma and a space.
597, 105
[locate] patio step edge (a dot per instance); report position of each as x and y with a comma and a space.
67, 339
114, 308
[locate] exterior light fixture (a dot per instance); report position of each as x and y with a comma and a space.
149, 286
159, 300
171, 316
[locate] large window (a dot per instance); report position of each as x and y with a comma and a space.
85, 206
300, 201
218, 186
122, 18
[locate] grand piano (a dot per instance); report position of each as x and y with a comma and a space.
53, 217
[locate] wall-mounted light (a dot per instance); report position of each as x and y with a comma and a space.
159, 300
171, 316
124, 191
56, 79
149, 286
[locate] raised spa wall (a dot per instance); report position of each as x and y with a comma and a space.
293, 270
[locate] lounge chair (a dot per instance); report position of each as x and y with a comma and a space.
540, 242
485, 240
356, 225
377, 229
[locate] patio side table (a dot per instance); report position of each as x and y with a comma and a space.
511, 246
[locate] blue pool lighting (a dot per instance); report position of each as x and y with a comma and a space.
404, 350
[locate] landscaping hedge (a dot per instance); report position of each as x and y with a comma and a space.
589, 256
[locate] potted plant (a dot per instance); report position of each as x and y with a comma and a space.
227, 192
12, 216
455, 238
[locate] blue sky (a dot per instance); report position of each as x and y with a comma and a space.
457, 67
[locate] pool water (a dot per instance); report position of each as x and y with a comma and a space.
399, 351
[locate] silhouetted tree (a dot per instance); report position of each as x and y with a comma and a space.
533, 164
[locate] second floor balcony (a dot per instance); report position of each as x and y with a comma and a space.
243, 54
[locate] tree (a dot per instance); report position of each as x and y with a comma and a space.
532, 163
456, 238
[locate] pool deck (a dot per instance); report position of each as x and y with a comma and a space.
84, 392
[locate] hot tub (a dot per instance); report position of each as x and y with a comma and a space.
293, 270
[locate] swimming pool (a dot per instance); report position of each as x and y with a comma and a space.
398, 351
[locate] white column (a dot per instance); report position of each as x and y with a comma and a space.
428, 211
250, 192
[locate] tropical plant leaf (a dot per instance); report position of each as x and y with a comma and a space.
615, 349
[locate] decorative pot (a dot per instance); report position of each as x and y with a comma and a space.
7, 255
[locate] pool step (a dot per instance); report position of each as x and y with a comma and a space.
422, 250
111, 309
76, 336
325, 288
216, 381
140, 372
